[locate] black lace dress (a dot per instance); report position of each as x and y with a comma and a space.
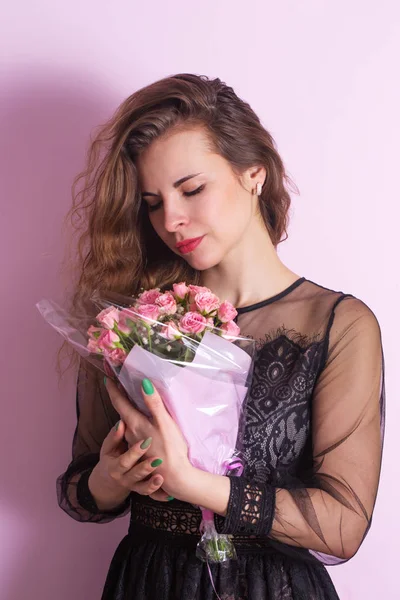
313, 439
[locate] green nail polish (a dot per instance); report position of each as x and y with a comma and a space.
146, 443
105, 380
157, 462
117, 425
170, 498
147, 387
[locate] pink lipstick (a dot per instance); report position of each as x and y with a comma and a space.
186, 246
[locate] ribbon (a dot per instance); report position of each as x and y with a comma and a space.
234, 463
212, 580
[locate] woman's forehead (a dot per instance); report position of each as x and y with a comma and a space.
167, 164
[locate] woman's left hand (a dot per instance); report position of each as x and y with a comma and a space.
167, 443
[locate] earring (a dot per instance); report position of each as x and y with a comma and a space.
259, 188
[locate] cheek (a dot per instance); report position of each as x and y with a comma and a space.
212, 209
229, 214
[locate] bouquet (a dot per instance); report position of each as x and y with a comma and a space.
186, 341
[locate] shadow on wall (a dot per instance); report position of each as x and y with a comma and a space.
45, 128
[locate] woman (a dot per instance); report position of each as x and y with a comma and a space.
190, 187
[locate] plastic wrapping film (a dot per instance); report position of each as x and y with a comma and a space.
203, 378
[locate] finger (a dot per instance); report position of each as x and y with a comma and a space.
154, 402
132, 417
148, 488
114, 438
161, 496
129, 459
140, 472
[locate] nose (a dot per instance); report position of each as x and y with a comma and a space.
174, 216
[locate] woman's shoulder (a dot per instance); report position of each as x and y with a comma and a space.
347, 313
347, 300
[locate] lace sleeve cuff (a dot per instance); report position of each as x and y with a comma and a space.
86, 500
251, 509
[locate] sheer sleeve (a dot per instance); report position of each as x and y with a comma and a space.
329, 512
95, 417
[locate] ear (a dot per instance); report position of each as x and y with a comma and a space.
251, 176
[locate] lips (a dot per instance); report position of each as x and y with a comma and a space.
188, 245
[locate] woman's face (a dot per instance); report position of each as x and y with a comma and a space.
195, 202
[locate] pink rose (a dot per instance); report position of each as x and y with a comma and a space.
93, 346
170, 331
148, 311
127, 317
196, 289
116, 356
192, 322
210, 323
107, 340
226, 312
94, 332
166, 303
230, 330
206, 302
180, 290
108, 317
150, 296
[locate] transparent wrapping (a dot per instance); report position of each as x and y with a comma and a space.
199, 363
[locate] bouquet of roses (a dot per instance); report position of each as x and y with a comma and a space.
186, 341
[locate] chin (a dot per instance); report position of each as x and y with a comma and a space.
202, 261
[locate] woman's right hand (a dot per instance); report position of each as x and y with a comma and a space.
120, 471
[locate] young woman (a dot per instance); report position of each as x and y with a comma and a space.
185, 184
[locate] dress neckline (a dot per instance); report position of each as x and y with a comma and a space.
294, 285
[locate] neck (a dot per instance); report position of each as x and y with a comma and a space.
251, 272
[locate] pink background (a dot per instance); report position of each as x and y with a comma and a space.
323, 76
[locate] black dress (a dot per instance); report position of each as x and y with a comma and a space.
313, 438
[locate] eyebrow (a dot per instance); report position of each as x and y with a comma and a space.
176, 184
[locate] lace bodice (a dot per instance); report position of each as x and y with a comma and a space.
313, 431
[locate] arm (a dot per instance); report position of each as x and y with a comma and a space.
332, 514
95, 418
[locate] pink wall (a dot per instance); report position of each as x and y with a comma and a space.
322, 76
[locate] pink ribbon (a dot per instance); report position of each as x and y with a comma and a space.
212, 581
231, 464
234, 463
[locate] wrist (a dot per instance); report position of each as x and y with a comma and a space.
179, 485
107, 493
206, 490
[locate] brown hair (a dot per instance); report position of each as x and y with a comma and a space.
117, 247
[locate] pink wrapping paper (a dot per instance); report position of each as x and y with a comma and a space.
204, 397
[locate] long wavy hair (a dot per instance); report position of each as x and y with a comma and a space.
117, 248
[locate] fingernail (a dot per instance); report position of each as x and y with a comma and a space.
157, 462
105, 380
117, 425
146, 443
147, 387
170, 498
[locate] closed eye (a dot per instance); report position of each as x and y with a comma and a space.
153, 207
199, 189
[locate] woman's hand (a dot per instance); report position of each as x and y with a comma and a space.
168, 442
120, 472
139, 427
